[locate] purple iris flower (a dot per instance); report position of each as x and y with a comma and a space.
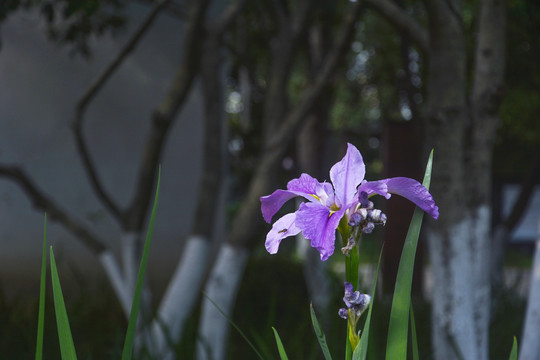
327, 203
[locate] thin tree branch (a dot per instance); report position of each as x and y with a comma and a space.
165, 113
400, 19
246, 222
276, 99
87, 97
294, 118
300, 20
173, 9
227, 17
43, 202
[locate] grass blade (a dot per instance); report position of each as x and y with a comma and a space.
41, 312
320, 334
235, 327
127, 351
396, 346
414, 338
360, 352
281, 349
67, 348
514, 352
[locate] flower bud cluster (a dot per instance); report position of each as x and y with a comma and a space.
365, 216
355, 301
356, 304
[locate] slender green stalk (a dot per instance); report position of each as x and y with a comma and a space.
67, 348
360, 352
396, 346
352, 262
127, 352
41, 312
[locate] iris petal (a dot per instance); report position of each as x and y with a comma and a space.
304, 186
282, 228
409, 188
319, 225
347, 174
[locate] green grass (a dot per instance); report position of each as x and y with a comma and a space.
98, 324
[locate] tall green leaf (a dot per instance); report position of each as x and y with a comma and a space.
360, 352
281, 349
396, 346
67, 348
127, 352
414, 338
514, 352
320, 334
41, 313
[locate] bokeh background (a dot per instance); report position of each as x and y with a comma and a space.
233, 99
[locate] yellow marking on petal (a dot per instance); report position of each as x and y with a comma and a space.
282, 231
334, 208
316, 197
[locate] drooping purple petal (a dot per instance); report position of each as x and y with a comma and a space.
347, 174
374, 187
270, 204
413, 191
319, 225
304, 186
282, 228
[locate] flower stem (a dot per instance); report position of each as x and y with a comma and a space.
351, 275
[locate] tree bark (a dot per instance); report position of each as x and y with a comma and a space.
221, 288
530, 346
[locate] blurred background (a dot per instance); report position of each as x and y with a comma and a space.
233, 99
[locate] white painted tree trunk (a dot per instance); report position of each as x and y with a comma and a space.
179, 299
481, 286
130, 264
122, 281
112, 270
453, 300
221, 287
530, 343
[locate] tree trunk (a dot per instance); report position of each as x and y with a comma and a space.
180, 297
450, 241
112, 270
221, 286
530, 346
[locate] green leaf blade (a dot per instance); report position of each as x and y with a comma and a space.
320, 334
514, 352
127, 351
281, 349
396, 346
67, 348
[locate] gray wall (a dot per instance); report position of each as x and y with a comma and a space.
39, 85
